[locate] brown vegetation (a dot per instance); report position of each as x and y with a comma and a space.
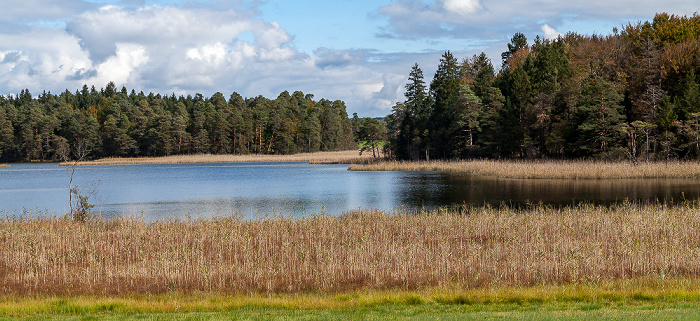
547, 169
479, 248
339, 157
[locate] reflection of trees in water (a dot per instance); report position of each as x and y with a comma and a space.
441, 189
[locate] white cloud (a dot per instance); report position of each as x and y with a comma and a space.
121, 68
271, 36
212, 53
40, 59
550, 33
159, 29
462, 7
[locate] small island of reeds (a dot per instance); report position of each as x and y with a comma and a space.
335, 157
526, 169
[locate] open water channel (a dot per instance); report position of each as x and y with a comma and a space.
253, 190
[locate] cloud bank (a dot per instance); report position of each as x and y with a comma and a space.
188, 47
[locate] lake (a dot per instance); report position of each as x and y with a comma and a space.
253, 190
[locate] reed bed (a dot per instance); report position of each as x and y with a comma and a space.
477, 249
546, 169
338, 157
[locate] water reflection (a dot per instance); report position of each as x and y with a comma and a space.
439, 189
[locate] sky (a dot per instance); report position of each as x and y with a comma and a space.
357, 51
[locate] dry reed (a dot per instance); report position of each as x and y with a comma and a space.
339, 157
547, 169
479, 248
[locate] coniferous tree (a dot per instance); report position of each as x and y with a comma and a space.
600, 118
444, 90
518, 42
409, 118
467, 108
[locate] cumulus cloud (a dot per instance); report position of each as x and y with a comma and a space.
185, 50
158, 28
211, 53
39, 58
550, 33
462, 7
120, 68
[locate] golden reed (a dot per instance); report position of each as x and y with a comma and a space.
547, 169
477, 248
338, 157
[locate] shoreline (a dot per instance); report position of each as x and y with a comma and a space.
336, 157
552, 169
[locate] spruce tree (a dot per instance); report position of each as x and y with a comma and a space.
444, 89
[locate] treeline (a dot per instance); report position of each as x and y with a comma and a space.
112, 123
632, 94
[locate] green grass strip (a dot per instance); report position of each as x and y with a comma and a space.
678, 298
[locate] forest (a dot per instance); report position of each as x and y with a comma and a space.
633, 94
115, 123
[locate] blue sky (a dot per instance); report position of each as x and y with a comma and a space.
357, 51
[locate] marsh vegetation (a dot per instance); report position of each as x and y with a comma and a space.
545, 169
336, 157
470, 248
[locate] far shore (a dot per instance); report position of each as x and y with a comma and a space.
550, 169
337, 157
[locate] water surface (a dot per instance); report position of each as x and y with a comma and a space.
255, 190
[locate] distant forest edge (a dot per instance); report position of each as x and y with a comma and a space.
633, 94
116, 123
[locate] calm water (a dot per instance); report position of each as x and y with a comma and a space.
257, 189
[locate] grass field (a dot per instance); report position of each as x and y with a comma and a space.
546, 169
617, 300
339, 157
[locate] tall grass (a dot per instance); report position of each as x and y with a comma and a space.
339, 157
547, 169
479, 248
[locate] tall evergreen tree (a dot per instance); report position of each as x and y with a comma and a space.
444, 89
409, 118
518, 42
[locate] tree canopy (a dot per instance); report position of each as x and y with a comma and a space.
116, 123
632, 94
